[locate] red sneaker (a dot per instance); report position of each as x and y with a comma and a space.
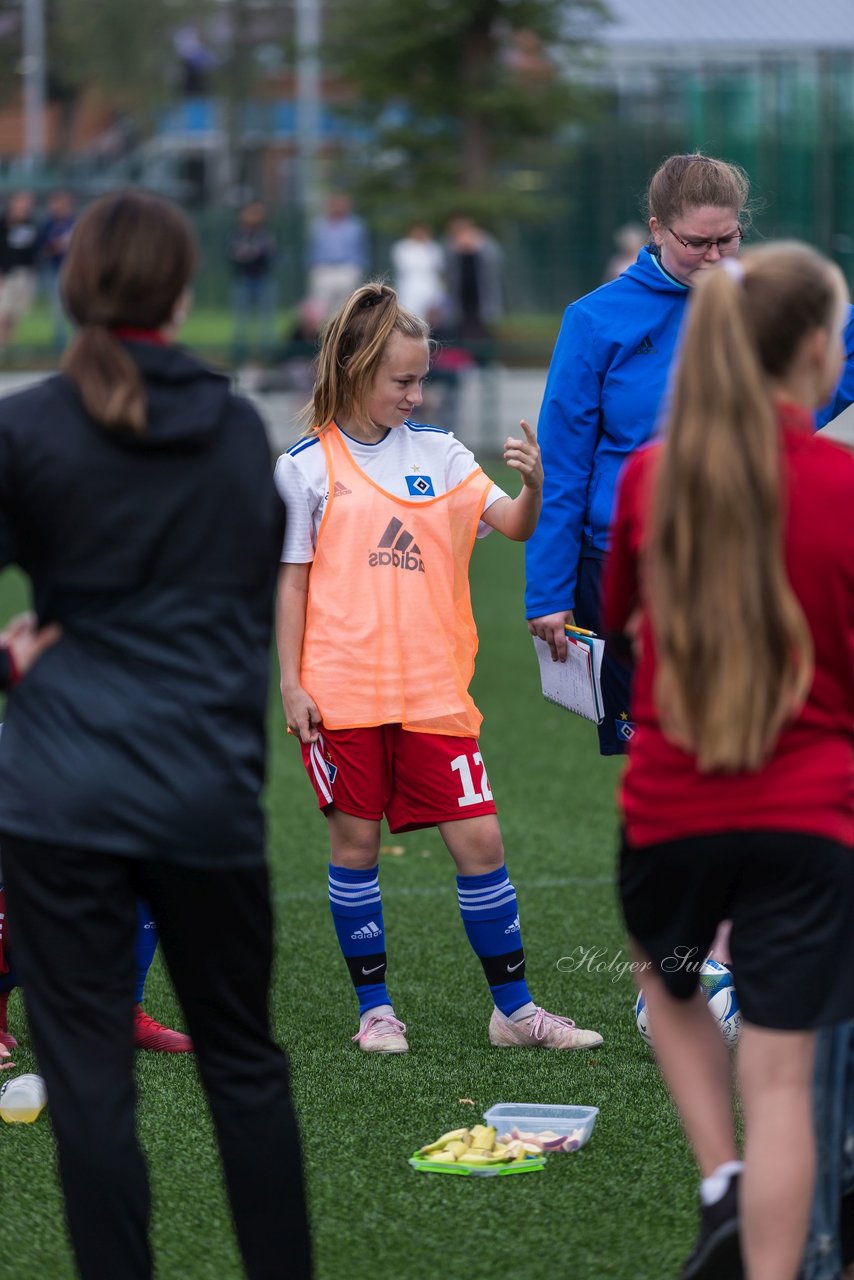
6, 1038
148, 1034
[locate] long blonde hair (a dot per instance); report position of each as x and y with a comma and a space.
352, 349
735, 653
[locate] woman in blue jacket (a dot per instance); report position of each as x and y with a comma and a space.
603, 397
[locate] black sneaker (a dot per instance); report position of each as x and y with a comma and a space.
717, 1253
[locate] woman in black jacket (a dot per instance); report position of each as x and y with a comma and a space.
136, 493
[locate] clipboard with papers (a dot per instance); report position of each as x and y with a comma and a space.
577, 683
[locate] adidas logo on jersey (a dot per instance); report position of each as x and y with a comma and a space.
371, 930
514, 927
645, 348
397, 548
340, 489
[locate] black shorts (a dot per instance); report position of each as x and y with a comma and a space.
790, 897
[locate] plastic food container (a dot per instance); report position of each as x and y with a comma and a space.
532, 1165
572, 1125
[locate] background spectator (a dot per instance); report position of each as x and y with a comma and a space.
54, 239
473, 265
252, 255
418, 264
19, 245
337, 254
449, 362
195, 60
294, 366
628, 242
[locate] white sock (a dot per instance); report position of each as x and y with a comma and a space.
524, 1011
714, 1188
378, 1011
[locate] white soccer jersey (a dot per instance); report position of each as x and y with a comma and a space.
411, 462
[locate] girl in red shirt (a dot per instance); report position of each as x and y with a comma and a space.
733, 569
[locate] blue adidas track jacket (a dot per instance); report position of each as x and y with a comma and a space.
845, 391
603, 395
603, 399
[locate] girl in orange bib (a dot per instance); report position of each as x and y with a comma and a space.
377, 645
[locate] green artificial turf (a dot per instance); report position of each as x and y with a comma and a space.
524, 338
624, 1206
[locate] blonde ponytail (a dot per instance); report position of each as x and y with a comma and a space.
735, 653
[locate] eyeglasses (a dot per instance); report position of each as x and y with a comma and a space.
724, 245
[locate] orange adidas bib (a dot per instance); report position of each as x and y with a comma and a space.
389, 635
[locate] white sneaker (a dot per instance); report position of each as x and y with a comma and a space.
541, 1030
382, 1033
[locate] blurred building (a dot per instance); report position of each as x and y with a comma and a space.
767, 84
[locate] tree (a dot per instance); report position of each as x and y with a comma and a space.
458, 98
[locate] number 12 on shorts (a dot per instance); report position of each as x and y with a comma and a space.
470, 794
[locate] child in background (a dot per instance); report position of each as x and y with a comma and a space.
147, 1032
377, 643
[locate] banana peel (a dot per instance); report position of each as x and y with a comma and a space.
455, 1135
477, 1148
483, 1137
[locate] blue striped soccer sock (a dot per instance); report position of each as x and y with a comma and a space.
491, 919
145, 946
357, 913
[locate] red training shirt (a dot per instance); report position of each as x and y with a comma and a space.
808, 784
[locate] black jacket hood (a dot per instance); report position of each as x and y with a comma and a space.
187, 401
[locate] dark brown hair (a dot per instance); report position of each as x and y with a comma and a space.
132, 255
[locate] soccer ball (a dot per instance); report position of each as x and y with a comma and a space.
717, 984
642, 1018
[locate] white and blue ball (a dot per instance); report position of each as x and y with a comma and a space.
718, 987
642, 1018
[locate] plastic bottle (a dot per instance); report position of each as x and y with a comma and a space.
22, 1099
